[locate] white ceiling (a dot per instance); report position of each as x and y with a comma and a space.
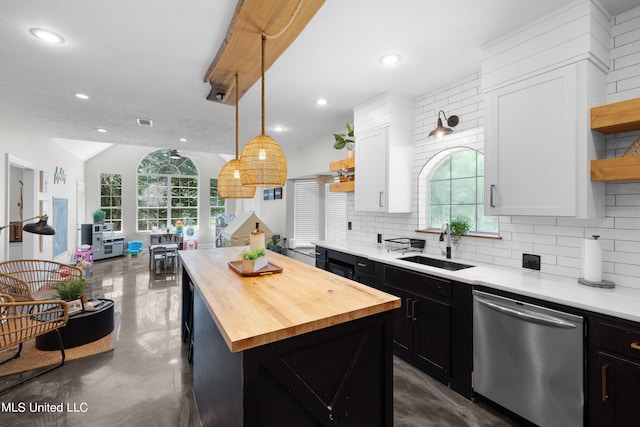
147, 59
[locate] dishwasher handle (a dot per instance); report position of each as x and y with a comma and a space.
531, 317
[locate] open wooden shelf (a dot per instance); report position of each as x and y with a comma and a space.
339, 165
617, 169
347, 186
621, 116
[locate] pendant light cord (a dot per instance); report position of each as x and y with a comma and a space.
286, 27
264, 42
236, 84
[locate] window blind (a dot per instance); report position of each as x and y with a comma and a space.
336, 228
307, 212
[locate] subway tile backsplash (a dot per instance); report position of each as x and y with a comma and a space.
557, 240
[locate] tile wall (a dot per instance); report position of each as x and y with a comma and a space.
558, 240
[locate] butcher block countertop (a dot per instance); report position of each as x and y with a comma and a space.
253, 311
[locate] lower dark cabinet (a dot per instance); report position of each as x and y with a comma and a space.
421, 332
614, 373
433, 328
365, 271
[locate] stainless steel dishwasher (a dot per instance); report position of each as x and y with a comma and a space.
529, 359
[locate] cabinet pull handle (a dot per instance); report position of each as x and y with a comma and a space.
635, 345
491, 203
603, 382
406, 308
380, 198
413, 309
361, 264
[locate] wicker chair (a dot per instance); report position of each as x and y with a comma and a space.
23, 321
40, 275
16, 288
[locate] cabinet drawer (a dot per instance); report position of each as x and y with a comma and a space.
417, 282
365, 266
341, 256
619, 338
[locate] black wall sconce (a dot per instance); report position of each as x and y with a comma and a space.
452, 121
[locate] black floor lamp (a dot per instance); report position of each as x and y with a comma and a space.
40, 227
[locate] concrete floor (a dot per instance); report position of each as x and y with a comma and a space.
146, 380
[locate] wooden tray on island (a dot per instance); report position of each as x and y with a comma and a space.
268, 269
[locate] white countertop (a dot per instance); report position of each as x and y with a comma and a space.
618, 302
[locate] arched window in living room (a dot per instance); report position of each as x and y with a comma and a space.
167, 191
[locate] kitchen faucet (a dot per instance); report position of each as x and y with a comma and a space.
446, 230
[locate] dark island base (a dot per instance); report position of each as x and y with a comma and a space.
341, 375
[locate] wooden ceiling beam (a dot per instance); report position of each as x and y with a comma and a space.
241, 49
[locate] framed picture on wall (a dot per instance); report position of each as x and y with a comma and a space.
277, 193
60, 215
44, 181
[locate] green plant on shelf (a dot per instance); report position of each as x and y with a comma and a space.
98, 216
345, 139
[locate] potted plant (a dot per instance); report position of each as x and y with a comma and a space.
253, 260
345, 140
69, 290
458, 226
98, 216
274, 246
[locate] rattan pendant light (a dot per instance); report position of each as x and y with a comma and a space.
263, 158
229, 179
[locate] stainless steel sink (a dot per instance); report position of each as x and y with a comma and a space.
435, 262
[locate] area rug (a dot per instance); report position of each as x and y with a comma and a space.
31, 358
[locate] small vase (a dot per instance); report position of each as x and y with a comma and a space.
350, 153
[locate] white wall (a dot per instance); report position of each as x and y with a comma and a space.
558, 240
23, 141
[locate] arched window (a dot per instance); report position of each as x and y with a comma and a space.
452, 184
167, 191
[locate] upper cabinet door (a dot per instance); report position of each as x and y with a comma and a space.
530, 146
371, 166
539, 83
384, 145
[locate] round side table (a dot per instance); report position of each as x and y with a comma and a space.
81, 328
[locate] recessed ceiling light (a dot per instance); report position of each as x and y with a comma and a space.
183, 140
321, 101
278, 128
82, 96
390, 59
101, 130
46, 35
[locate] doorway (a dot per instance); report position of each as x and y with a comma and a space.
21, 204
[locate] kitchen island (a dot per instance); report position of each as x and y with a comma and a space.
301, 347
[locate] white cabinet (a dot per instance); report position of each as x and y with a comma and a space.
539, 84
370, 186
530, 145
383, 131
